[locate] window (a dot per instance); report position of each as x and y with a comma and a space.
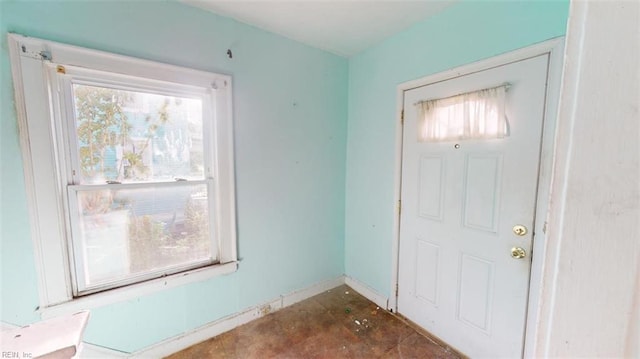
138, 197
129, 166
473, 115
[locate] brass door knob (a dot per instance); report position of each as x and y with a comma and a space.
519, 230
518, 253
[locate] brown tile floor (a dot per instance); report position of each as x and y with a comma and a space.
339, 323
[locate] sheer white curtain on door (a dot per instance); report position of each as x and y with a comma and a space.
473, 115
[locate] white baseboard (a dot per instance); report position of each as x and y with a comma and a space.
91, 351
222, 325
306, 293
200, 334
368, 292
197, 335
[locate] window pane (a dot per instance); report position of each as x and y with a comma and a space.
127, 232
129, 136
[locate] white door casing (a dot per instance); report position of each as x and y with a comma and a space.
457, 278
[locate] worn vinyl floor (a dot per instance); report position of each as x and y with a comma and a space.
339, 323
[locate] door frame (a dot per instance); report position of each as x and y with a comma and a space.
555, 49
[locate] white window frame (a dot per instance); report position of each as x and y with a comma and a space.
60, 80
47, 173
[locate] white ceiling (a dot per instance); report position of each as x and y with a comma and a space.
343, 27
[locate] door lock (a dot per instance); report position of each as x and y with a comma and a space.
518, 253
519, 230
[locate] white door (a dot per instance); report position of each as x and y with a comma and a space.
460, 202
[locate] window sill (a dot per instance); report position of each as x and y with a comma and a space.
136, 290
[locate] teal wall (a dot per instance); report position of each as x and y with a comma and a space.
290, 104
463, 33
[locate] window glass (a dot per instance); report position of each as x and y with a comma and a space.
125, 232
138, 212
131, 136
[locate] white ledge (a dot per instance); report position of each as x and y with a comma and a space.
137, 290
